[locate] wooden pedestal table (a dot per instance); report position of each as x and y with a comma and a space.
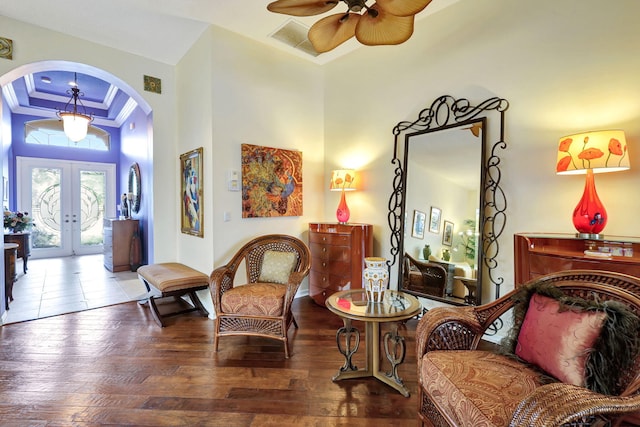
471, 284
394, 308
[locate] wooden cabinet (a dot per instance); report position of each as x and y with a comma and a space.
118, 236
537, 254
337, 257
23, 240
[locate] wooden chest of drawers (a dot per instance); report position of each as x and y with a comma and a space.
118, 235
337, 257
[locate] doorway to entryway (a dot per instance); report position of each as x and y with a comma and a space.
68, 201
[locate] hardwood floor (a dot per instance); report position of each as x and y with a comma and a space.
115, 366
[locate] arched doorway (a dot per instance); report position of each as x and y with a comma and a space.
133, 124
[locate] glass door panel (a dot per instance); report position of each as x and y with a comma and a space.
68, 201
46, 184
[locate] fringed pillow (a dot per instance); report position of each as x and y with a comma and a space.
581, 342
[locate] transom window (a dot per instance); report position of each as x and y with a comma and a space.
50, 132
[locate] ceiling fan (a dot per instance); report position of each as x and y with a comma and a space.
385, 22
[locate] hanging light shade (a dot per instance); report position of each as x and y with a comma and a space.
75, 124
386, 22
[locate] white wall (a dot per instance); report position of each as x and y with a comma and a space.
563, 66
234, 91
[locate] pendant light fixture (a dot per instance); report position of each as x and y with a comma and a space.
75, 124
385, 22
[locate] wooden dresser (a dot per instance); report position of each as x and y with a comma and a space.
337, 257
537, 254
118, 235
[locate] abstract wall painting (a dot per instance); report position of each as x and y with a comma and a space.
271, 182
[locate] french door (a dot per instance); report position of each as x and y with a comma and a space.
68, 201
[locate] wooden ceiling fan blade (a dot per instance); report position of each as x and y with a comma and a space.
330, 32
403, 7
302, 7
384, 28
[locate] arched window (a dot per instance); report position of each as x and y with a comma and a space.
50, 132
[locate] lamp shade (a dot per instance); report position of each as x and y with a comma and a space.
343, 179
600, 151
75, 125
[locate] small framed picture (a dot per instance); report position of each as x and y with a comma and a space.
434, 220
419, 220
447, 233
191, 193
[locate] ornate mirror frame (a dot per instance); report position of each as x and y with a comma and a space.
134, 187
444, 113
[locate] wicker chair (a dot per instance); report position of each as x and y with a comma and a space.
427, 278
443, 331
260, 307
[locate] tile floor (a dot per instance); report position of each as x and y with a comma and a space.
55, 286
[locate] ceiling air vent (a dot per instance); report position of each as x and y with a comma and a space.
294, 34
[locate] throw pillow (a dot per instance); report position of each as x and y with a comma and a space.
614, 350
558, 341
277, 266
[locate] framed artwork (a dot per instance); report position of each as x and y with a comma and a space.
434, 220
447, 233
271, 182
419, 220
191, 192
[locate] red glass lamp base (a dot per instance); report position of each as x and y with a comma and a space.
342, 213
590, 216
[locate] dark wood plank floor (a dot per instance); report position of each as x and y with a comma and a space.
115, 366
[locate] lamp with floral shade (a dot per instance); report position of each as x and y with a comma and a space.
589, 153
343, 180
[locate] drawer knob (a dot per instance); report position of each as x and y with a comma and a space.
324, 279
324, 264
324, 249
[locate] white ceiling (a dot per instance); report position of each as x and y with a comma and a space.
164, 30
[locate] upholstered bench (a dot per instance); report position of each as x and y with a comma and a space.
176, 280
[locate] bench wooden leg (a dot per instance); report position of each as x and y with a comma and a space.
155, 313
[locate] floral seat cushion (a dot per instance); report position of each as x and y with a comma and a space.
482, 387
256, 299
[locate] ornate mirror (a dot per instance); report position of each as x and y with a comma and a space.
134, 187
447, 195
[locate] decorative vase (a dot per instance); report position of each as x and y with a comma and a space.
426, 252
342, 213
446, 255
590, 216
375, 278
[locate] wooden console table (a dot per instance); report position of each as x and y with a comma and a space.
23, 240
537, 254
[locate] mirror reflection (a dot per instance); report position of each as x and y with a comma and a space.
443, 181
134, 187
447, 210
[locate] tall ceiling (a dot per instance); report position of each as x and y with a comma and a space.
162, 30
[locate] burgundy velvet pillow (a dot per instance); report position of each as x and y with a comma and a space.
558, 340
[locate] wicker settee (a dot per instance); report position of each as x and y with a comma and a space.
460, 385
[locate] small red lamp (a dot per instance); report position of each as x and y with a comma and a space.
343, 180
591, 152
